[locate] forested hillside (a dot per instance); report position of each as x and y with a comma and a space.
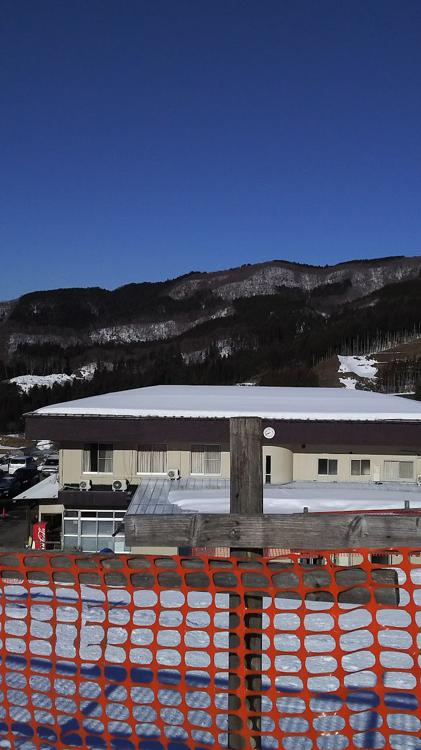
276, 324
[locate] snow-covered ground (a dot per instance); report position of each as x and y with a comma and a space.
321, 661
25, 383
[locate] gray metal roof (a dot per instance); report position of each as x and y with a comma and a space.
151, 496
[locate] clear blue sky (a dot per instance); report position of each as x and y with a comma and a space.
142, 139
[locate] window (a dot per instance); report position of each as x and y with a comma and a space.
360, 468
268, 469
206, 459
98, 458
152, 459
328, 466
394, 470
92, 531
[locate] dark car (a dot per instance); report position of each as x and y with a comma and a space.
27, 477
50, 465
9, 486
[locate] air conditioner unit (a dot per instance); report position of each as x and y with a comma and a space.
173, 473
85, 484
120, 485
419, 480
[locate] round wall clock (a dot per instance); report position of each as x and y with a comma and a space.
268, 433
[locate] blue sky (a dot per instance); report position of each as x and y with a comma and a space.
147, 138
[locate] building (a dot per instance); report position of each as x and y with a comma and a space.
119, 450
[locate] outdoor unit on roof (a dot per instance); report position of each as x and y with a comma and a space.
173, 473
120, 485
85, 484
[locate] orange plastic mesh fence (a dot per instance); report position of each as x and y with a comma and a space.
177, 653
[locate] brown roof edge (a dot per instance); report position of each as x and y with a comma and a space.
163, 429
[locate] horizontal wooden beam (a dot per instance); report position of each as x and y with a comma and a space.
289, 433
306, 531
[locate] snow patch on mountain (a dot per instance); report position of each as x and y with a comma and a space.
364, 366
267, 279
153, 331
25, 383
224, 348
348, 383
135, 332
222, 313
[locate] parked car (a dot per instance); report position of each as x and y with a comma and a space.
50, 465
21, 462
27, 477
9, 486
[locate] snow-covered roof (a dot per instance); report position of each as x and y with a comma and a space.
156, 495
233, 401
323, 497
47, 489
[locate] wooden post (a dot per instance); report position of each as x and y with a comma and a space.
246, 497
246, 481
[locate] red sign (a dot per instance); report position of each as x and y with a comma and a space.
38, 535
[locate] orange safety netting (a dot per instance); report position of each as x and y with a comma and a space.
178, 653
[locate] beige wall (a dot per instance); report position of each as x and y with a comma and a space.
286, 465
282, 463
50, 509
306, 466
154, 551
125, 464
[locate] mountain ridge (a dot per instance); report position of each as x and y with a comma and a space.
243, 267
272, 323
168, 308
